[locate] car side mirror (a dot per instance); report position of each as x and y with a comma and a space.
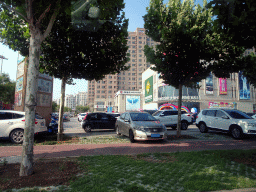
225, 117
126, 120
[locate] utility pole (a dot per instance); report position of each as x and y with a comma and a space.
2, 57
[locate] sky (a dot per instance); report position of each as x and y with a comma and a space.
134, 10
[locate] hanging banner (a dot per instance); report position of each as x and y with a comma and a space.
244, 88
149, 90
209, 85
223, 86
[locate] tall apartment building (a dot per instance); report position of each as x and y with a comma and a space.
101, 93
81, 98
70, 101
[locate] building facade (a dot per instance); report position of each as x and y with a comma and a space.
234, 92
101, 93
70, 101
81, 99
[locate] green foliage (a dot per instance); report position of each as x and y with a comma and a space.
186, 41
72, 53
236, 19
54, 106
81, 109
7, 89
67, 109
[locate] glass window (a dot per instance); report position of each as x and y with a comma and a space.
237, 114
220, 113
133, 37
142, 117
211, 113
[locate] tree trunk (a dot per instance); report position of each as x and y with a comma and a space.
61, 111
179, 111
26, 167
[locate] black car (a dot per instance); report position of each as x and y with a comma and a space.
98, 121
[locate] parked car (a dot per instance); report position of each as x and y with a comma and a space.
150, 111
170, 118
98, 121
80, 116
66, 117
116, 115
140, 126
12, 124
232, 121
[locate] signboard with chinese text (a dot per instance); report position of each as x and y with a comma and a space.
223, 86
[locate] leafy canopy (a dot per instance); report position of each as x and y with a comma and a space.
186, 41
7, 89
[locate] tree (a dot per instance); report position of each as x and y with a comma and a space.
235, 22
86, 54
54, 106
39, 16
186, 43
7, 89
81, 109
236, 18
67, 109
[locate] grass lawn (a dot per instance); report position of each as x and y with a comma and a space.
182, 171
167, 172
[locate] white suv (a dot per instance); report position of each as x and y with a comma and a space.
232, 121
170, 118
12, 124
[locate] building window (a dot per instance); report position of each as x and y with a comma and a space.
133, 79
98, 87
133, 51
140, 51
102, 91
140, 73
133, 60
140, 37
140, 42
133, 55
140, 46
110, 77
109, 91
123, 73
133, 37
133, 64
110, 82
98, 91
129, 74
133, 46
133, 42
133, 74
98, 96
140, 60
133, 69
103, 87
109, 87
133, 88
103, 96
123, 78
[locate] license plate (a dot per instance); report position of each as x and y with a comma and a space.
155, 135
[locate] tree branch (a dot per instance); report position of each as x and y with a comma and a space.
43, 15
49, 27
12, 9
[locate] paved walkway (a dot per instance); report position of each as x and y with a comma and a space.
12, 153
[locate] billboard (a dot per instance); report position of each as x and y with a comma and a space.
244, 88
19, 84
149, 90
169, 92
222, 104
209, 84
223, 86
132, 102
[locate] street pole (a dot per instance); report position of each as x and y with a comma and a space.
2, 57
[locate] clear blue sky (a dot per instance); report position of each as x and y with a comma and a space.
134, 10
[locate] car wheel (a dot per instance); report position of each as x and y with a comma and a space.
236, 132
184, 125
88, 128
131, 136
117, 131
203, 128
17, 136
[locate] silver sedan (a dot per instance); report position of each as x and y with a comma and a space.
140, 126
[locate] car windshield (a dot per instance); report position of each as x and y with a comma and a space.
238, 114
142, 117
156, 113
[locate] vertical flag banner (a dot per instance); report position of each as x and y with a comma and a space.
244, 88
223, 86
209, 84
149, 90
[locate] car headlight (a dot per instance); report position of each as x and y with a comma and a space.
141, 129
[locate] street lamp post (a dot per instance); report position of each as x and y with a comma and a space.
2, 57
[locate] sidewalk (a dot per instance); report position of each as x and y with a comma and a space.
12, 153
